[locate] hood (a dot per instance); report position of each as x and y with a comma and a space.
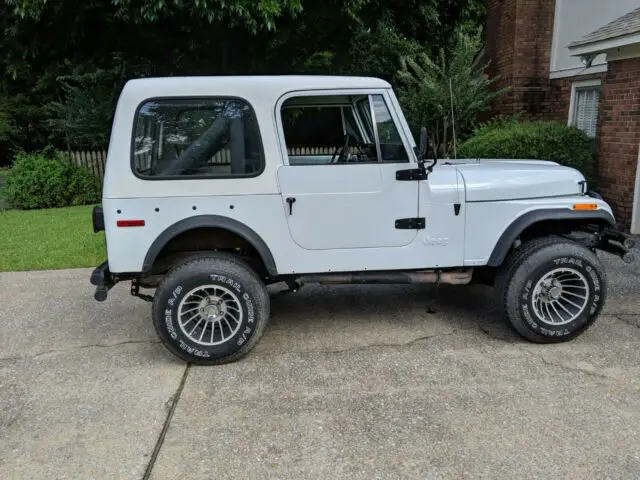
491, 179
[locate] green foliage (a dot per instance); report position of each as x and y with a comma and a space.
429, 85
379, 50
553, 141
46, 180
498, 121
50, 49
85, 115
7, 125
254, 14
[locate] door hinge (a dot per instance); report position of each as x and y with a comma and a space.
410, 223
412, 174
456, 208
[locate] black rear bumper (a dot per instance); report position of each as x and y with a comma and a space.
103, 280
97, 219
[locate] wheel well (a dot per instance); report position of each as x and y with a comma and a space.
540, 223
544, 228
203, 240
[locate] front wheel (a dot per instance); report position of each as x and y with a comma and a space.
552, 289
211, 310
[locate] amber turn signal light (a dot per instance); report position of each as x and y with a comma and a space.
585, 206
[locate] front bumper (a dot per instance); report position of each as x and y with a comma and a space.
617, 243
103, 280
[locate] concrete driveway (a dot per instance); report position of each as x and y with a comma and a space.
348, 382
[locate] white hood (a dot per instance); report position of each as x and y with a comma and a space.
491, 179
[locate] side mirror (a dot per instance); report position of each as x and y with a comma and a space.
424, 142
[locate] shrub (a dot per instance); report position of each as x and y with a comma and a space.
430, 84
536, 141
48, 180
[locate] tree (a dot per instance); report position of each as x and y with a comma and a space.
253, 14
429, 86
7, 127
84, 116
46, 41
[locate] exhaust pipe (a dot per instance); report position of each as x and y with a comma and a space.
405, 278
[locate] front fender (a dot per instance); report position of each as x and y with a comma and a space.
520, 224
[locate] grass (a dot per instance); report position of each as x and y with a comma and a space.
49, 239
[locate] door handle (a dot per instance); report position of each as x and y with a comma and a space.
291, 201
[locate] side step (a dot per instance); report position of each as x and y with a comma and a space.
458, 277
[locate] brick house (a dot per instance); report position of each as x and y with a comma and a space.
576, 61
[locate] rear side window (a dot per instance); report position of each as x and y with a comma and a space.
196, 138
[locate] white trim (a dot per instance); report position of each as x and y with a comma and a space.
594, 82
573, 72
624, 53
604, 45
635, 215
555, 44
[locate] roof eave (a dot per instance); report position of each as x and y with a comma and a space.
581, 49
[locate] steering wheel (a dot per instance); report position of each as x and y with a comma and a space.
344, 149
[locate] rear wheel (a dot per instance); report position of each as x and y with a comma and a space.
211, 310
551, 289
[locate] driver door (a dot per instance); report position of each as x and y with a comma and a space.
338, 181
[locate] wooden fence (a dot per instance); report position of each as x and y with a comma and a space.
95, 161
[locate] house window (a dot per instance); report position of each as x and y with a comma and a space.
583, 112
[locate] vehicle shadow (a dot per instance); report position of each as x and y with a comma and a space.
383, 314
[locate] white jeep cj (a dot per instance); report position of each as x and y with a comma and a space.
216, 187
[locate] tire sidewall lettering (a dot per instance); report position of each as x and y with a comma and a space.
525, 298
176, 336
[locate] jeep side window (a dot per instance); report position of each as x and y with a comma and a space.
365, 115
197, 138
339, 130
312, 132
391, 146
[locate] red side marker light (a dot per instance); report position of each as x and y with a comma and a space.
130, 223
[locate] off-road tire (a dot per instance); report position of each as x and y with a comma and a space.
522, 270
225, 271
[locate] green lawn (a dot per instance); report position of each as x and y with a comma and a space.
49, 239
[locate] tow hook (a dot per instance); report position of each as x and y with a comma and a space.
135, 291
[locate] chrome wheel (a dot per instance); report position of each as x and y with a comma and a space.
560, 296
210, 315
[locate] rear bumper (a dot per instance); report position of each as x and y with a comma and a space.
103, 280
97, 219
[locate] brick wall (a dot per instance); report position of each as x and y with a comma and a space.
558, 100
518, 37
619, 136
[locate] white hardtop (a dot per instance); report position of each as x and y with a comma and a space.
262, 93
247, 85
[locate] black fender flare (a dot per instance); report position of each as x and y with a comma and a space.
210, 221
513, 231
